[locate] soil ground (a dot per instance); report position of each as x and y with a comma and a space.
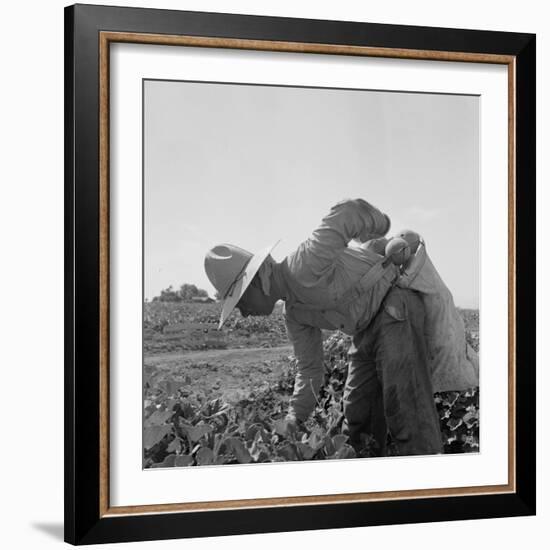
254, 352
228, 373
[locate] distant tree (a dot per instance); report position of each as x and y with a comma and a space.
188, 291
185, 294
168, 295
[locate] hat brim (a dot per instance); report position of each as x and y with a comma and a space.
243, 283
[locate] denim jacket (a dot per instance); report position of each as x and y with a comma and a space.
328, 283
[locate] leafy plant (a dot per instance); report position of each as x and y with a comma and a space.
186, 427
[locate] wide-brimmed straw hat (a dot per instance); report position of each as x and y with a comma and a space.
231, 270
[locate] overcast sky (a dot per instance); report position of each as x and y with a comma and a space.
253, 164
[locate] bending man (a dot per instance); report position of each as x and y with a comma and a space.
327, 284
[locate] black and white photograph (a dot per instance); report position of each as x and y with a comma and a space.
311, 274
300, 269
274, 275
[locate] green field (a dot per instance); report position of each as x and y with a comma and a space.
219, 397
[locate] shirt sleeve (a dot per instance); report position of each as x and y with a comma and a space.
347, 220
308, 350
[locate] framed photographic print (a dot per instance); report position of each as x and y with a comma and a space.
300, 276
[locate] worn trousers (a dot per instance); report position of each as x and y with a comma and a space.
389, 387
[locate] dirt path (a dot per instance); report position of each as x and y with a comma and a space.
219, 355
229, 373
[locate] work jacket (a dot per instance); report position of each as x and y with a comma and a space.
329, 284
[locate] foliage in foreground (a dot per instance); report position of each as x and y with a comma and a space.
187, 428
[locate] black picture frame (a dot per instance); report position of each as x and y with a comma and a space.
84, 521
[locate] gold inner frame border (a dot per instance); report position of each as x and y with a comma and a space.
105, 39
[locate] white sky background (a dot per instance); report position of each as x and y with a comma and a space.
250, 165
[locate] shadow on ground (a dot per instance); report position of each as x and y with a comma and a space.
54, 530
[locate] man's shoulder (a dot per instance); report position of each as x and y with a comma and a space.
294, 262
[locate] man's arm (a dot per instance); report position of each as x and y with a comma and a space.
308, 350
351, 219
347, 220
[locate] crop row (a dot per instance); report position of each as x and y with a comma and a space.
184, 427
